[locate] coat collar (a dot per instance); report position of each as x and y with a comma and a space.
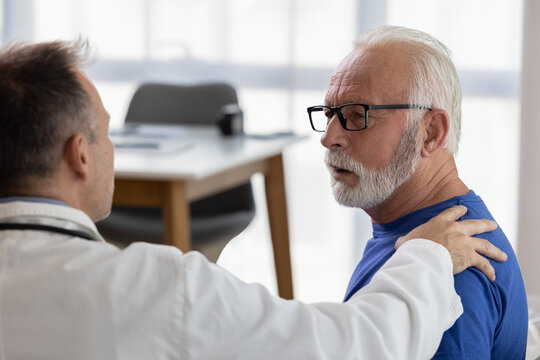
48, 214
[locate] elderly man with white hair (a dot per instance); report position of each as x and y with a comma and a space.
391, 123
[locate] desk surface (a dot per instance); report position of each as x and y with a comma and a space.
170, 166
188, 152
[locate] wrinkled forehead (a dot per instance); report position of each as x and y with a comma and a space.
374, 75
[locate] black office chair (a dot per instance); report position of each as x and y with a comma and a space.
215, 220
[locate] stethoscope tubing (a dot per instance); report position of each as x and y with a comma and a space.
40, 227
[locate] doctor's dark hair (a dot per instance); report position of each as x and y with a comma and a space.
42, 104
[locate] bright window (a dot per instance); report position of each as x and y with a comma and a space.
280, 55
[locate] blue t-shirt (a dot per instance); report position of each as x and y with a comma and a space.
495, 319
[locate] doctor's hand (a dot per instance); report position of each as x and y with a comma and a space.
456, 237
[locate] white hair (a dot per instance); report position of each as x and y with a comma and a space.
433, 80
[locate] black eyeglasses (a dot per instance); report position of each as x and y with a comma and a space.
353, 117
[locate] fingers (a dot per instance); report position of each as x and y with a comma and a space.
457, 237
475, 227
474, 258
486, 248
452, 214
443, 227
482, 264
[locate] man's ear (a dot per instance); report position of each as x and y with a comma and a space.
436, 126
77, 155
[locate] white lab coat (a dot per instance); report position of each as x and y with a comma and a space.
63, 297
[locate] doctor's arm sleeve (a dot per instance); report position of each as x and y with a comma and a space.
401, 314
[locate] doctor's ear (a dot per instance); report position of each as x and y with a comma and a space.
436, 126
77, 155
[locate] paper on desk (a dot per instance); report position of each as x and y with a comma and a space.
149, 145
150, 139
151, 131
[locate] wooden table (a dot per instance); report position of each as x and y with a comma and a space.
194, 162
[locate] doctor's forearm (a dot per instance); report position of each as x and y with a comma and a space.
401, 314
409, 303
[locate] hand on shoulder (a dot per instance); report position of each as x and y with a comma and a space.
457, 237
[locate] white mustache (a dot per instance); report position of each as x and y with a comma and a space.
340, 160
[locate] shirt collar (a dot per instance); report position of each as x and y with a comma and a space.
45, 212
408, 222
32, 199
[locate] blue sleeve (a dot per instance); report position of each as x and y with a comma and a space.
472, 335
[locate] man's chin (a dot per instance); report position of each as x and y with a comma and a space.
355, 198
347, 196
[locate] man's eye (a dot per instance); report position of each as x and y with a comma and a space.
358, 115
328, 114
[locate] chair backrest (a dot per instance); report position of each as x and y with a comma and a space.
191, 104
174, 104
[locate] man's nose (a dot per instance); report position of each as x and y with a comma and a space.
335, 137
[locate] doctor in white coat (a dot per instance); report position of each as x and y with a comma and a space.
65, 293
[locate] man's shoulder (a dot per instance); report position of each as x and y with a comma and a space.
476, 208
493, 311
494, 319
508, 273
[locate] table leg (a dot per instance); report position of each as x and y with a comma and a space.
176, 215
279, 229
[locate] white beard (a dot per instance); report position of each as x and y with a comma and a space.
374, 186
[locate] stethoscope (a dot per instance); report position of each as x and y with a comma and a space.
54, 229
